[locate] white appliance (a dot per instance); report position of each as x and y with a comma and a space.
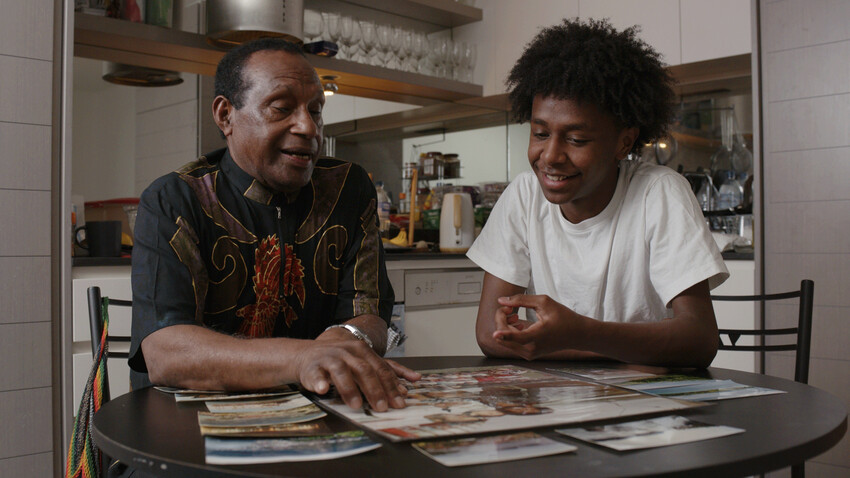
440, 308
457, 223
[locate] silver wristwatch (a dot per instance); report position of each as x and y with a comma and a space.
356, 332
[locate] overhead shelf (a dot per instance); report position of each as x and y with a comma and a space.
730, 74
440, 14
120, 41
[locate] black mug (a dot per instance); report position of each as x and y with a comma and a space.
103, 238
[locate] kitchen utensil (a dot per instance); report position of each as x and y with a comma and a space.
457, 223
231, 22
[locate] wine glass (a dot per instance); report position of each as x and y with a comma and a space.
470, 55
395, 47
313, 26
367, 42
419, 45
383, 35
332, 22
346, 25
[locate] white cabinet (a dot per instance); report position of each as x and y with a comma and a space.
737, 315
114, 281
715, 29
682, 31
658, 21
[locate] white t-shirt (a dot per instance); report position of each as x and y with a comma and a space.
623, 265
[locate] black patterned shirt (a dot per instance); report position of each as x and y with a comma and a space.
214, 247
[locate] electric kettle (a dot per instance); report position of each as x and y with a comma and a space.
457, 223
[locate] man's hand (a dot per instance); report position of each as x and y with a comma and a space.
354, 368
556, 328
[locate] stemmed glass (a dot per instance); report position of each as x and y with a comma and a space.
313, 26
419, 53
346, 24
383, 43
395, 47
405, 51
367, 42
470, 55
332, 22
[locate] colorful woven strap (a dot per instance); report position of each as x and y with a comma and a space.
84, 458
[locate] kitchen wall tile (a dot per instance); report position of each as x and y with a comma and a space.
822, 470
167, 117
794, 24
830, 272
23, 279
148, 99
809, 123
25, 162
148, 169
25, 340
808, 227
830, 376
789, 173
790, 74
27, 423
826, 344
39, 464
26, 90
726, 22
23, 26
25, 217
178, 138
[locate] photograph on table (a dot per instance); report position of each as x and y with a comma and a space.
491, 449
464, 401
655, 432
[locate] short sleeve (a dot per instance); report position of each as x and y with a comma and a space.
681, 250
168, 278
501, 248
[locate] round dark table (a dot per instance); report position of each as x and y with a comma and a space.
148, 430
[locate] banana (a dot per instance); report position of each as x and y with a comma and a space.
400, 239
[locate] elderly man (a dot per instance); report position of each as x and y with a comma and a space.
261, 264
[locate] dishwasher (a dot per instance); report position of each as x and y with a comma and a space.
437, 311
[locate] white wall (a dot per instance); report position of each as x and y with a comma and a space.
103, 132
683, 31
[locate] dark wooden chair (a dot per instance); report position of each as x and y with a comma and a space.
797, 338
97, 303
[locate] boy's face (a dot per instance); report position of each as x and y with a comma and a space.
574, 149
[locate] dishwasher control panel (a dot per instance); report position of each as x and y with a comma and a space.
433, 288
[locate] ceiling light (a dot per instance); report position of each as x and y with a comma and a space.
330, 88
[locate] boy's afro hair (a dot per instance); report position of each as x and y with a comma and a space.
594, 63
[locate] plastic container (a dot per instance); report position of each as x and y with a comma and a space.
383, 208
731, 193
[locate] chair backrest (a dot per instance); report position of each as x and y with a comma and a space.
99, 305
802, 333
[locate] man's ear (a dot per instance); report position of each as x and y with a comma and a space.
628, 136
222, 110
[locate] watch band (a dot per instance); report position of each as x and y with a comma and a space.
356, 332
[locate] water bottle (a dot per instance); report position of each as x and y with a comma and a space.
383, 208
706, 195
731, 193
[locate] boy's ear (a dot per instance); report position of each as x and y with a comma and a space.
628, 136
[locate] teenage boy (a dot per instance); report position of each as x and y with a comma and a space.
610, 257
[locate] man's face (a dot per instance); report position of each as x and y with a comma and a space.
574, 149
276, 135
